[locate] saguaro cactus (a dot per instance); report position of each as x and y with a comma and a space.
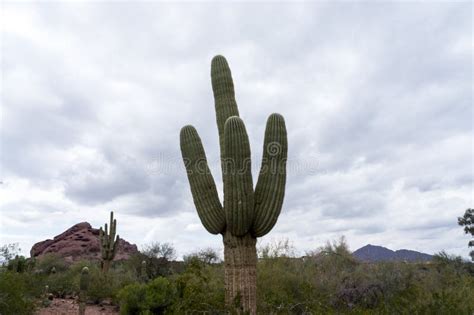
247, 213
83, 286
143, 273
108, 243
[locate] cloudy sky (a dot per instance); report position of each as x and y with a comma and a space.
377, 99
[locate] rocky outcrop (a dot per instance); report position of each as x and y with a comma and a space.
81, 241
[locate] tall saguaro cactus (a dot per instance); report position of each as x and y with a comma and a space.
108, 243
247, 213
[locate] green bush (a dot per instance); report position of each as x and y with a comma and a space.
200, 288
106, 286
18, 264
143, 299
14, 294
327, 281
46, 263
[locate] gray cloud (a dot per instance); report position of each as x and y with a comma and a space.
377, 100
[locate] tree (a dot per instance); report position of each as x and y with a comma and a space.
468, 222
158, 257
207, 256
159, 250
8, 252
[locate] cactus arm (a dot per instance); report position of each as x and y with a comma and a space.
270, 189
203, 187
116, 245
224, 95
238, 184
113, 226
103, 242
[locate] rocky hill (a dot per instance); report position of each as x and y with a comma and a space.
81, 241
372, 253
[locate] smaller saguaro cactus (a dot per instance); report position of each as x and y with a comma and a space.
47, 297
108, 243
83, 286
143, 274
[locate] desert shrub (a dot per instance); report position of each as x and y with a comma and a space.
8, 252
158, 258
15, 298
61, 284
155, 267
206, 256
17, 264
199, 288
151, 298
106, 286
46, 263
283, 286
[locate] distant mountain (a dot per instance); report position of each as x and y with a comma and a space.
372, 253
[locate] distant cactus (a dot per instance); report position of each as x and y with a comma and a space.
143, 274
47, 296
108, 243
247, 213
83, 287
53, 270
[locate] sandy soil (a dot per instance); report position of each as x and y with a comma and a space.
70, 307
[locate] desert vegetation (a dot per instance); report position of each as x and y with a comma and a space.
327, 280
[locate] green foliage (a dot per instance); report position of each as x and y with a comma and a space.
159, 250
48, 261
15, 297
199, 289
107, 285
8, 252
467, 220
206, 256
143, 299
18, 264
61, 284
326, 281
157, 257
330, 281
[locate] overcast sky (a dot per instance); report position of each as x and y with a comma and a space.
377, 99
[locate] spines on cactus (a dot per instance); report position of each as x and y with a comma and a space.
247, 213
108, 242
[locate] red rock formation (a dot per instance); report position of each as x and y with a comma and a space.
81, 241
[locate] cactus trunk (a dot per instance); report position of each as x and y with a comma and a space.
240, 264
105, 266
83, 286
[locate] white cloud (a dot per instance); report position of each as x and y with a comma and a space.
377, 100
